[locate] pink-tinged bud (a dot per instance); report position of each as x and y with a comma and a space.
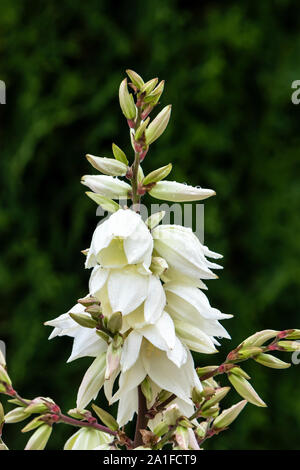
158, 125
126, 101
113, 357
135, 78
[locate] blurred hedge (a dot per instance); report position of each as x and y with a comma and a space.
228, 69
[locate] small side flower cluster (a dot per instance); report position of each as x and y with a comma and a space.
144, 314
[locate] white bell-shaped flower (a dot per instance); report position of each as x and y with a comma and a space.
122, 239
183, 252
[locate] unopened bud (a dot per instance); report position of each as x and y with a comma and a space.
108, 166
206, 370
83, 320
158, 265
33, 424
106, 418
77, 413
293, 334
39, 439
39, 405
155, 95
197, 395
107, 204
245, 389
113, 357
149, 86
171, 414
229, 415
114, 323
154, 219
158, 125
4, 377
202, 429
213, 411
289, 346
92, 381
88, 301
141, 129
217, 397
182, 437
103, 335
126, 101
119, 154
161, 429
239, 371
271, 361
157, 175
260, 338
248, 352
147, 389
178, 192
135, 78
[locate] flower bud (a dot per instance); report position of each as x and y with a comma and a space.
83, 320
155, 95
202, 429
114, 323
271, 361
126, 101
206, 370
113, 357
260, 338
158, 265
217, 397
158, 125
213, 411
147, 389
171, 414
33, 424
135, 78
103, 335
178, 192
248, 352
4, 377
119, 154
77, 413
182, 437
239, 371
87, 439
229, 415
106, 418
39, 439
289, 346
245, 389
161, 429
197, 395
108, 166
158, 174
107, 186
92, 381
141, 129
16, 415
149, 86
39, 405
293, 334
154, 219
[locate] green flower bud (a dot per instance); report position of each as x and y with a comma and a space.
182, 437
248, 352
149, 86
16, 415
140, 174
141, 129
38, 405
107, 204
4, 377
161, 429
271, 361
83, 320
119, 154
154, 220
126, 101
108, 166
245, 389
205, 370
202, 429
103, 335
171, 414
113, 357
229, 415
33, 424
39, 439
293, 334
155, 95
135, 78
239, 371
218, 396
158, 125
260, 338
114, 323
157, 175
213, 411
77, 413
289, 346
147, 389
106, 418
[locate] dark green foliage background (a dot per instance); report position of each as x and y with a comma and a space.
228, 68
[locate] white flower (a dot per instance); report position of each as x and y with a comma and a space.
126, 290
193, 316
122, 239
183, 252
179, 192
92, 381
86, 341
164, 368
87, 439
107, 186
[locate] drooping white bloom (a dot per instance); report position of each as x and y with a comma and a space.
121, 240
164, 368
126, 290
87, 439
196, 321
107, 186
86, 341
92, 381
179, 192
183, 252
